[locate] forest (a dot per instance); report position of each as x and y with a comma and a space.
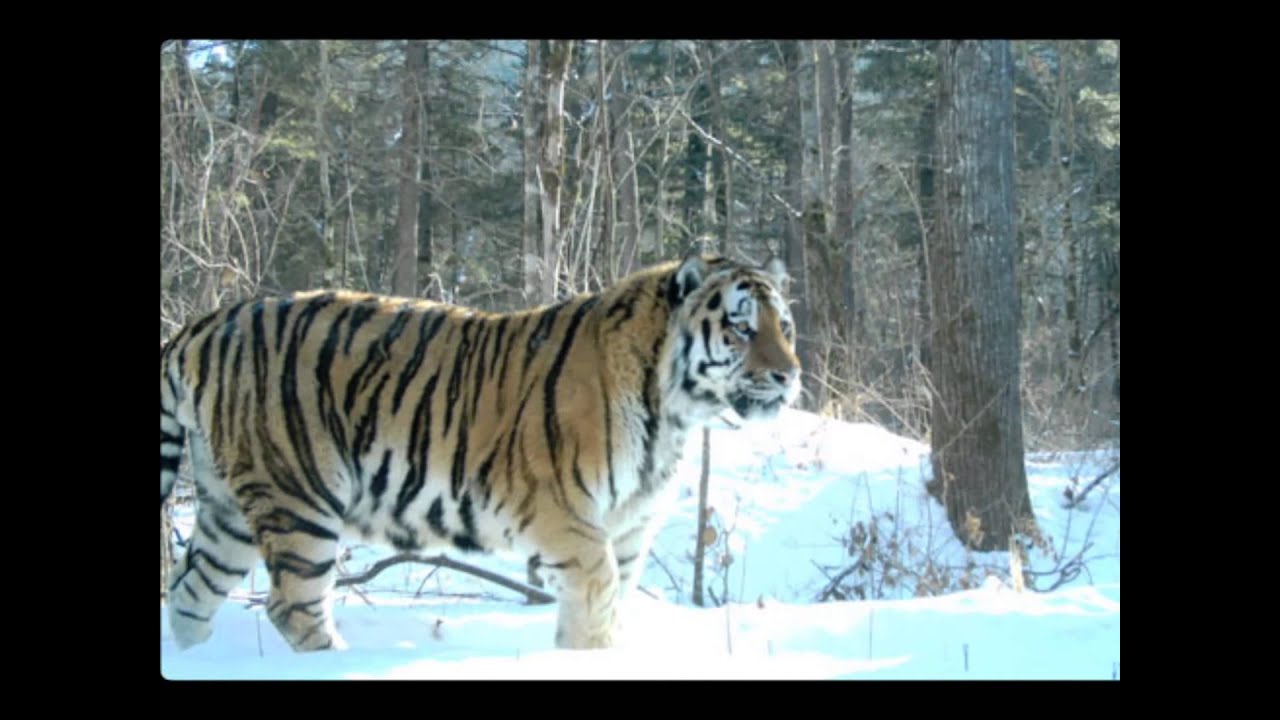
508, 174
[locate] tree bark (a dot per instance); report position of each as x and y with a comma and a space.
530, 124
700, 543
405, 280
850, 307
794, 231
978, 470
556, 59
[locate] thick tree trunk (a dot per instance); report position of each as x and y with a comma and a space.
426, 259
405, 280
977, 411
795, 231
850, 307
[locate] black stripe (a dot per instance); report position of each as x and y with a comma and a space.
295, 420
282, 318
283, 522
451, 397
541, 332
258, 337
169, 463
577, 473
201, 521
295, 564
379, 485
650, 428
435, 518
457, 471
608, 445
235, 382
714, 302
626, 305
419, 445
378, 353
216, 565
419, 351
478, 385
367, 428
511, 443
467, 539
202, 369
225, 527
193, 616
224, 347
502, 374
497, 344
551, 421
277, 609
195, 328
278, 467
482, 477
172, 439
366, 309
326, 405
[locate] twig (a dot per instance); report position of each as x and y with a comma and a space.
741, 160
1074, 500
674, 584
534, 596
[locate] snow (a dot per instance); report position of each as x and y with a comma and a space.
796, 503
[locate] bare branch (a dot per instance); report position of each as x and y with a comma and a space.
535, 596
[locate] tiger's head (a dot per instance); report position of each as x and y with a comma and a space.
733, 339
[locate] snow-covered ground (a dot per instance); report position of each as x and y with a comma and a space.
828, 560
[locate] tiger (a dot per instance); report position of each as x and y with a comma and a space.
550, 433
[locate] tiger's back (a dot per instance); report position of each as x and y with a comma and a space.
547, 432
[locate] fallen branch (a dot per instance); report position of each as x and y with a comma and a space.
534, 595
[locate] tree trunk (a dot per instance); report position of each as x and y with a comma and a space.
530, 124
794, 231
405, 280
704, 517
627, 217
322, 151
850, 308
1063, 141
827, 117
978, 470
721, 166
426, 258
556, 60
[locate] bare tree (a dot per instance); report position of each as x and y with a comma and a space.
556, 56
405, 280
978, 470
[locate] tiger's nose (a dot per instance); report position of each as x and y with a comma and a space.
784, 377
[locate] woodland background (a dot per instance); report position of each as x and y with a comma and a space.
503, 174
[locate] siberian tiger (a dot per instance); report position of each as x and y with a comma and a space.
547, 432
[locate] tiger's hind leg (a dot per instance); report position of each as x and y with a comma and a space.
219, 555
300, 547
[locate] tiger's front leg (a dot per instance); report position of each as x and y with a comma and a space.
578, 563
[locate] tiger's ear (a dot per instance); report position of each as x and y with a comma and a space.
777, 269
687, 278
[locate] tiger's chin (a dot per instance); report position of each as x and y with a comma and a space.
754, 409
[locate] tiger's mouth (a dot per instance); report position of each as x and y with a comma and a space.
750, 407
